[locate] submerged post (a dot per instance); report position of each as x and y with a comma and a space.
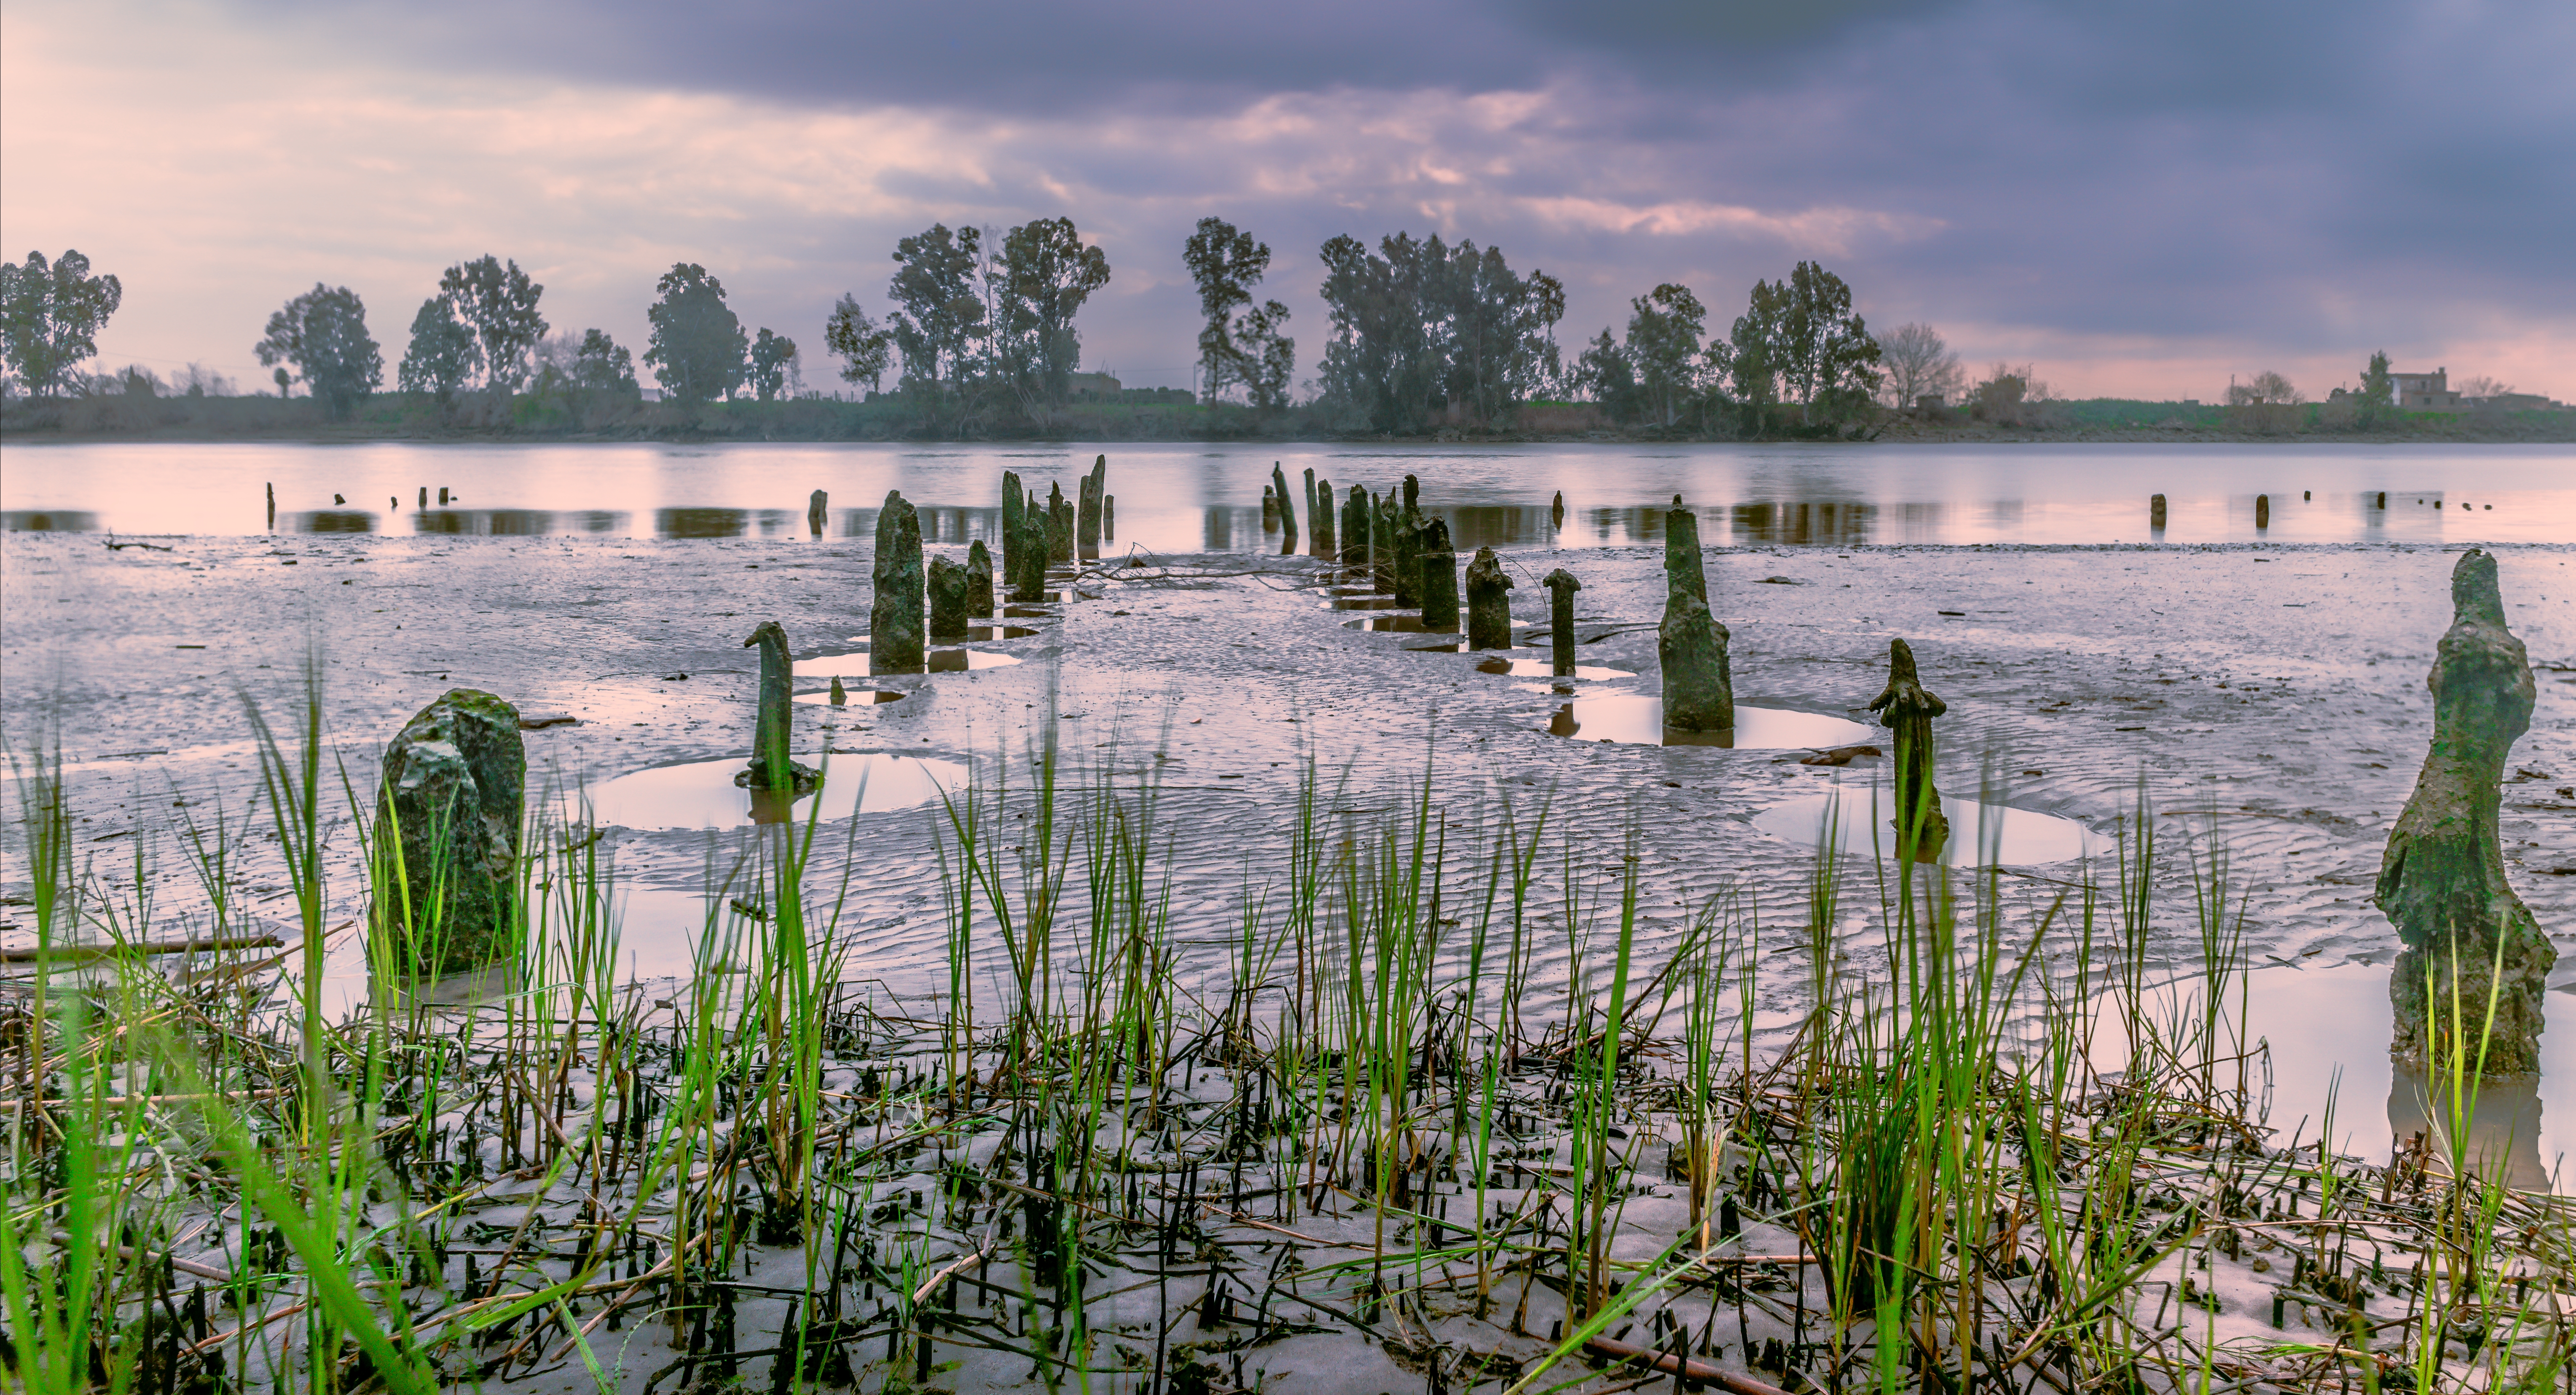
894, 612
2156, 513
1014, 503
771, 767
272, 506
1322, 527
818, 511
2467, 937
1269, 509
1314, 513
454, 799
1109, 517
1059, 521
1561, 587
1029, 552
1907, 709
839, 695
1699, 690
948, 585
1489, 611
1439, 580
1407, 551
2262, 512
1382, 525
979, 581
1355, 528
1287, 511
1556, 511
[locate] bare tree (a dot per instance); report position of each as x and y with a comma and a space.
2264, 389
1917, 364
2483, 386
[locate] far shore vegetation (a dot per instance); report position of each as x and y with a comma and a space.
977, 339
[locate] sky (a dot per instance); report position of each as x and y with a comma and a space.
2136, 199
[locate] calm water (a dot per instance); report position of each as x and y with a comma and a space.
1188, 498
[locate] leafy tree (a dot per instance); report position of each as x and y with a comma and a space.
1603, 374
1047, 273
601, 364
50, 316
1245, 347
323, 334
697, 345
770, 355
1387, 358
499, 303
941, 318
443, 353
1754, 368
2378, 385
1824, 350
1500, 331
865, 350
2264, 389
1918, 364
1664, 328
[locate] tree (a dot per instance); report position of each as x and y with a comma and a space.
443, 353
2264, 389
1754, 362
50, 316
499, 303
1603, 374
2482, 386
1822, 349
941, 318
697, 346
1664, 327
1499, 330
601, 364
1246, 347
2378, 385
770, 356
865, 349
323, 334
1918, 365
1047, 273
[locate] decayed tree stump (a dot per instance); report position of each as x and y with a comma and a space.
1699, 691
771, 767
1907, 709
455, 796
2441, 883
1287, 510
1436, 577
1561, 587
948, 587
979, 580
1489, 610
818, 511
894, 612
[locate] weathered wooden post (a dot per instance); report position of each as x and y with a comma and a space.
979, 581
948, 585
1438, 582
1408, 560
1412, 495
1322, 527
1094, 488
1269, 509
1489, 610
1382, 526
1109, 517
1059, 519
2156, 513
1287, 511
772, 768
1556, 511
272, 506
1906, 709
818, 511
1561, 587
1028, 577
2467, 938
1014, 503
1699, 691
2262, 512
840, 696
1355, 528
454, 799
894, 612
1314, 513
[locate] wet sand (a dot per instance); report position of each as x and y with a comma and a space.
2272, 693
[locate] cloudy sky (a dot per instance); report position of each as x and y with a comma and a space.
2137, 198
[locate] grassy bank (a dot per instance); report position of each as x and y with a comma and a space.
580, 416
1364, 1134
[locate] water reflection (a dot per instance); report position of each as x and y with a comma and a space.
1981, 835
49, 521
702, 794
859, 665
494, 523
858, 697
1839, 524
332, 521
1638, 718
701, 523
1544, 668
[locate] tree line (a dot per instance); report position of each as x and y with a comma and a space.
980, 325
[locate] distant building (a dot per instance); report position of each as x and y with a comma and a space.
1928, 402
2426, 392
1093, 385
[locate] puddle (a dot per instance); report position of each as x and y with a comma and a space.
2329, 1028
1362, 602
1639, 718
859, 697
976, 634
1542, 668
702, 794
1980, 834
941, 661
